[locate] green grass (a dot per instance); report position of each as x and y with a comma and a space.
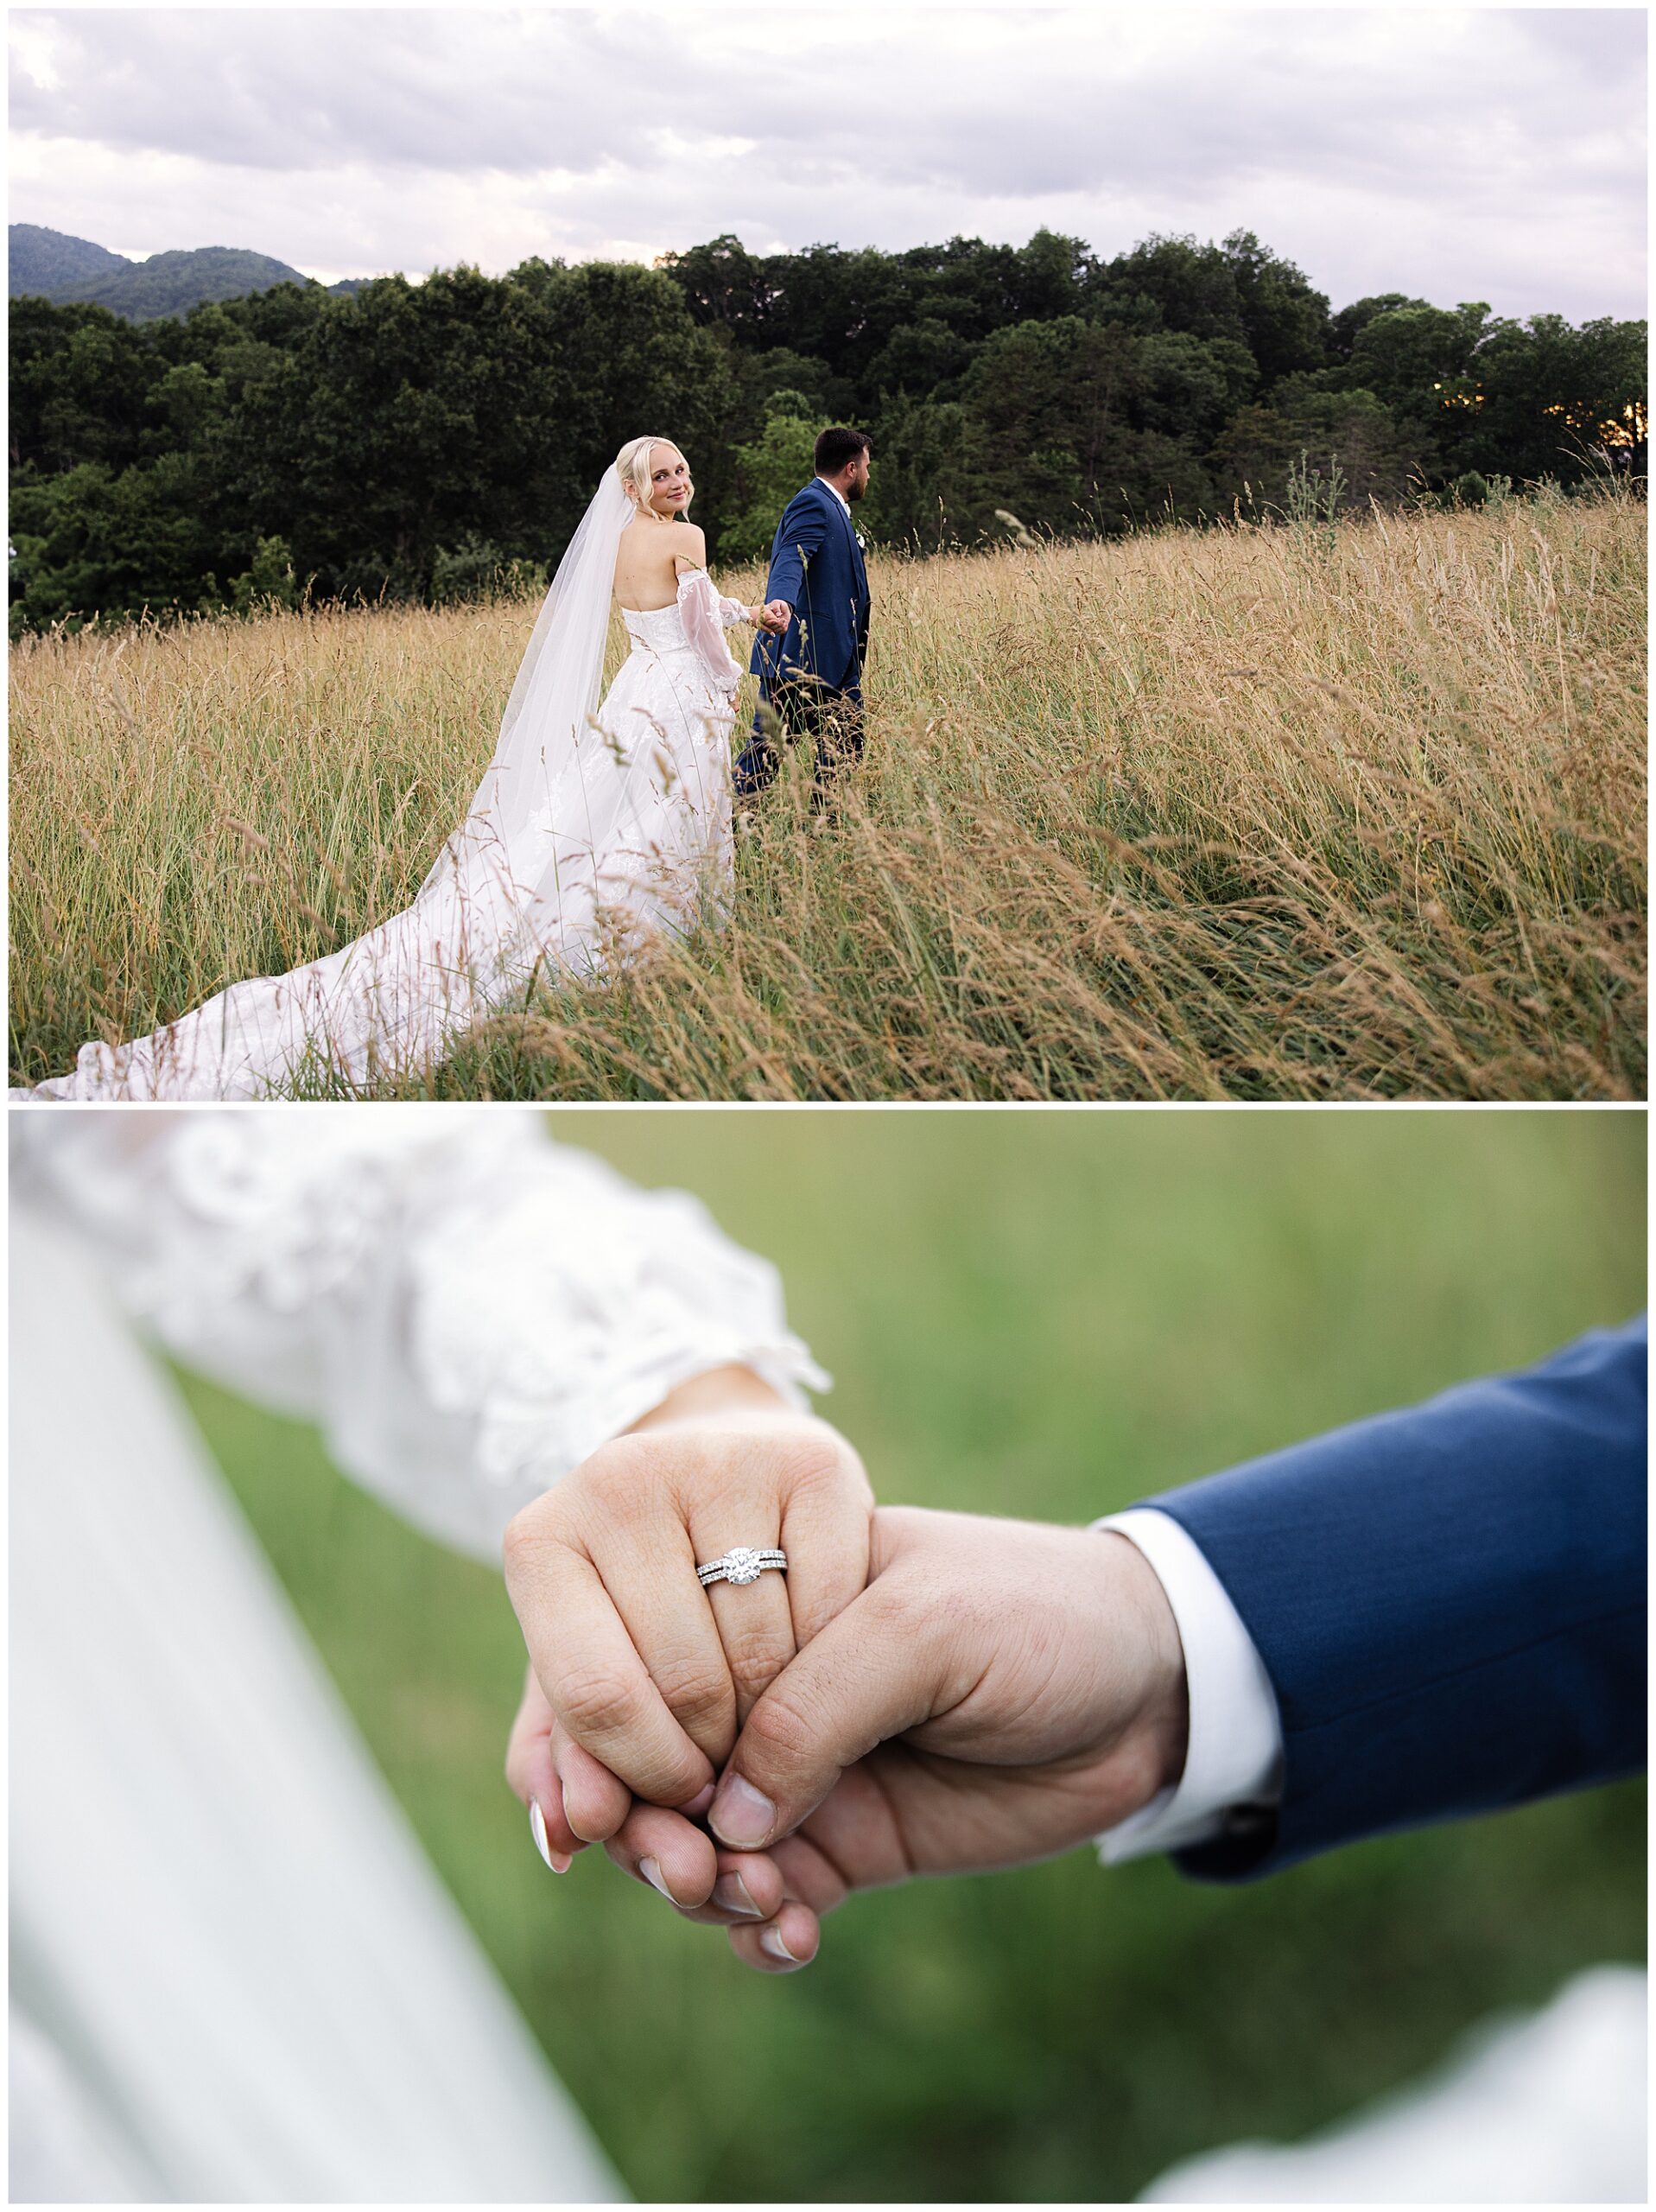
1048, 1314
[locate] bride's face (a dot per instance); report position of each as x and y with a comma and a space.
670, 488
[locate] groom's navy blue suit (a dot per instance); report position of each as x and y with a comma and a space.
812, 674
1449, 1601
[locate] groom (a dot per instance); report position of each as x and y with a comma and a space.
810, 678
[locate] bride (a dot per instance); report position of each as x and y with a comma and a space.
591, 833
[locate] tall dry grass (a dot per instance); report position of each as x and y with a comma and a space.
1301, 812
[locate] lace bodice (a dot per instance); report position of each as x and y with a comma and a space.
658, 629
467, 1309
695, 623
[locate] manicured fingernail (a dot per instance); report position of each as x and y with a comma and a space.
651, 1872
740, 1815
559, 1861
730, 1894
772, 1944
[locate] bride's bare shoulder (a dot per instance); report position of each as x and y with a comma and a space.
690, 543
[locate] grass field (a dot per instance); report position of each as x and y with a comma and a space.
1351, 810
1050, 1315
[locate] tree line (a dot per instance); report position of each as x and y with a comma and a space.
421, 440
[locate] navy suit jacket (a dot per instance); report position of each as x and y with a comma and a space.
816, 566
1450, 1602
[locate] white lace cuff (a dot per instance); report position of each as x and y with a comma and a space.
467, 1309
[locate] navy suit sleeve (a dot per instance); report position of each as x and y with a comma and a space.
1450, 1602
799, 538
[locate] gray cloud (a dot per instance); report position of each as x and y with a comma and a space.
1458, 154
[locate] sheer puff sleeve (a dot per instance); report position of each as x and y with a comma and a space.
465, 1307
706, 616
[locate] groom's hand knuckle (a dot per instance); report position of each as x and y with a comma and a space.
787, 1726
888, 1609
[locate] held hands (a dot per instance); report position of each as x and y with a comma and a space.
774, 616
1000, 1691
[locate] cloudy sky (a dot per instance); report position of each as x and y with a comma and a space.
1457, 154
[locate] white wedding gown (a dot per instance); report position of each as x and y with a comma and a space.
624, 835
235, 1976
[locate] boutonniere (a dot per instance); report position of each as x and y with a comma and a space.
862, 541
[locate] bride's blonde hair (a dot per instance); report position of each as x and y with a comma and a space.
632, 467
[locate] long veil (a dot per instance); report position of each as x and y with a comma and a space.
545, 754
529, 882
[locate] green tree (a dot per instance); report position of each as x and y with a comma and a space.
79, 378
94, 541
1549, 393
1376, 454
1063, 410
1173, 284
769, 471
927, 358
1052, 276
1422, 362
268, 579
1344, 326
1192, 386
929, 487
1285, 319
725, 284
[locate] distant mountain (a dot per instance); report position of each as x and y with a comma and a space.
49, 264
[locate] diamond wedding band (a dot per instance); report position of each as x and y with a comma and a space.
741, 1564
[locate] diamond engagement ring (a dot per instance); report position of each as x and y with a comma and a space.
741, 1564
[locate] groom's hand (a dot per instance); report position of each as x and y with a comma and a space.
775, 616
1001, 1691
639, 1678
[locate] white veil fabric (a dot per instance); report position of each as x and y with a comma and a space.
237, 1976
547, 743
546, 873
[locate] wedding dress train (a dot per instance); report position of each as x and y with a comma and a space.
592, 835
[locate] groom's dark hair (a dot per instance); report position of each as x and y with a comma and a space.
837, 447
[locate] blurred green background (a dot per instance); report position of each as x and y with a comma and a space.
1049, 1314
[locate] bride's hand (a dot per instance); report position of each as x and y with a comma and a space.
774, 616
639, 1678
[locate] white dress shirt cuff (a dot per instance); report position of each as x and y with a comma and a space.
1234, 1758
